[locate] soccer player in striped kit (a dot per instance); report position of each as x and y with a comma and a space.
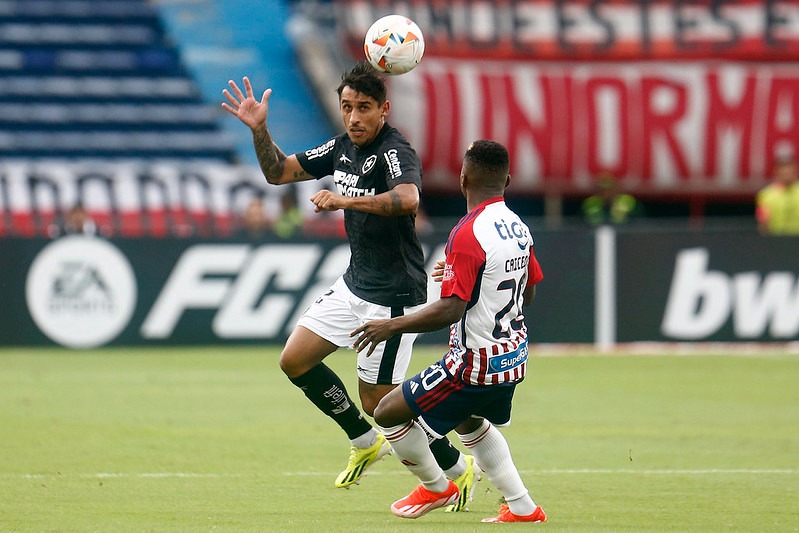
489, 273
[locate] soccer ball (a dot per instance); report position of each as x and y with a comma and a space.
394, 44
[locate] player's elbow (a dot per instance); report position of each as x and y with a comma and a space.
412, 198
412, 206
405, 199
274, 176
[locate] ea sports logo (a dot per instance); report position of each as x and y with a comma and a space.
81, 291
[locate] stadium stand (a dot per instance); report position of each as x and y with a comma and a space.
222, 40
99, 78
115, 105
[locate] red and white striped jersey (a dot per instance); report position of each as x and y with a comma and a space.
489, 263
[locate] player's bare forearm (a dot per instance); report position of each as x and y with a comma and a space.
438, 315
270, 157
401, 200
435, 316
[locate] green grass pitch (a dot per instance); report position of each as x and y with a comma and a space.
217, 439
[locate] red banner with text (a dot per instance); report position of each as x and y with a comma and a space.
685, 128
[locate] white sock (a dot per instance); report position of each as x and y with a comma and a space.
457, 469
365, 440
410, 444
492, 453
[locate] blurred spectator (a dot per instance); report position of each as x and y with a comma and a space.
777, 204
609, 205
325, 224
290, 221
76, 222
253, 223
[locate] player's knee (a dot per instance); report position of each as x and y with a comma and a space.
386, 415
380, 416
392, 410
370, 399
369, 405
292, 365
285, 364
470, 425
371, 395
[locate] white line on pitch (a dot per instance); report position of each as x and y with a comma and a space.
668, 472
663, 472
756, 471
104, 475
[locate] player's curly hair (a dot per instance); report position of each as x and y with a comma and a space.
366, 80
491, 156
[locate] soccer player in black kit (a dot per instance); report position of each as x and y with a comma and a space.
378, 180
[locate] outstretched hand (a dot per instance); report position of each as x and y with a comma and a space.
244, 105
371, 334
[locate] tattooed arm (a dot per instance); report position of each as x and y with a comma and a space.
401, 200
276, 166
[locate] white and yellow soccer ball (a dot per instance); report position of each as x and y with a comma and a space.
394, 44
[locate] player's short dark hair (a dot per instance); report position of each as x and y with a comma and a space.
366, 80
490, 157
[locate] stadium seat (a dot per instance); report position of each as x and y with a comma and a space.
99, 78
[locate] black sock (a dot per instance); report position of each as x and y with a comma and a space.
324, 388
445, 453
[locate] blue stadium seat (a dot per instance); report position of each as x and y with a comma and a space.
99, 78
73, 88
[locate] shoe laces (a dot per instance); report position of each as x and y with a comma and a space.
353, 455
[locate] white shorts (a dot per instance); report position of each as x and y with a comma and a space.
338, 312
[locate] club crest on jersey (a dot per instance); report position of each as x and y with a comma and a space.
393, 163
369, 164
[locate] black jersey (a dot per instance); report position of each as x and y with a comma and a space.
386, 263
